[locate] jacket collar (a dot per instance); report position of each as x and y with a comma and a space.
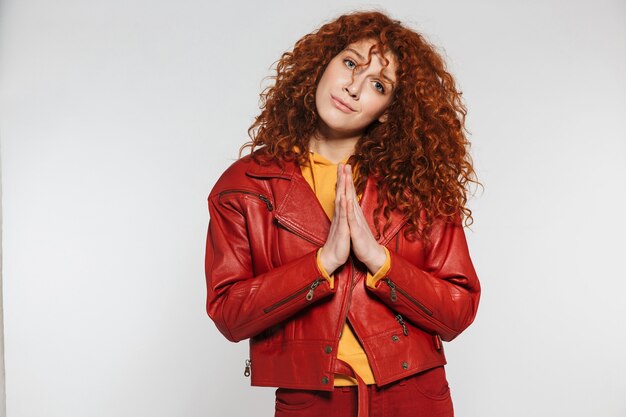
299, 210
272, 170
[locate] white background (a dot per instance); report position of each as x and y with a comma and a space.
117, 117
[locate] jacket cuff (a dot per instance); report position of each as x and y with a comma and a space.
323, 272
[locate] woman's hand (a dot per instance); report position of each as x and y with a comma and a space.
349, 228
336, 250
364, 245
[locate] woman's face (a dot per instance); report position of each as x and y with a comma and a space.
347, 104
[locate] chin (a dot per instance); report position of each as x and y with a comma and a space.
335, 121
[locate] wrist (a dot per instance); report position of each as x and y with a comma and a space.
327, 262
377, 260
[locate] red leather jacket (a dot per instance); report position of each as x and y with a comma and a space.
265, 228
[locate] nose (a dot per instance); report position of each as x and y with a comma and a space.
351, 90
354, 85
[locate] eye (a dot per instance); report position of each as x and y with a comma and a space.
348, 62
379, 86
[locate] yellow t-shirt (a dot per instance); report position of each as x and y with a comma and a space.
321, 174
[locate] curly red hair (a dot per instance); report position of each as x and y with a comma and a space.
419, 155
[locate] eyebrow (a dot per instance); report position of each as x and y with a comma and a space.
362, 58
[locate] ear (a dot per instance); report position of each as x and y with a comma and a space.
383, 118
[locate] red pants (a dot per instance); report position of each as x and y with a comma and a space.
422, 395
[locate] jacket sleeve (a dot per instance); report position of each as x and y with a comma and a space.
442, 298
241, 303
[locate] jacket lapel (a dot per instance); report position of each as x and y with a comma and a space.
368, 204
297, 207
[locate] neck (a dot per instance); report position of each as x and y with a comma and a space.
335, 150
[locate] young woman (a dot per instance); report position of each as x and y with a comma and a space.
337, 246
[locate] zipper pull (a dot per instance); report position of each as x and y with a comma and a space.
309, 295
405, 329
246, 371
267, 202
392, 286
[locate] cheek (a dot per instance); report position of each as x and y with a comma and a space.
324, 83
378, 105
334, 76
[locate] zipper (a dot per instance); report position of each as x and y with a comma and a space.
309, 295
261, 197
301, 236
246, 372
309, 289
394, 296
405, 329
392, 287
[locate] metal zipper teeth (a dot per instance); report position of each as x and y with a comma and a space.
394, 288
310, 291
261, 197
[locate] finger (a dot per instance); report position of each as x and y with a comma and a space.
339, 174
349, 181
338, 192
345, 212
351, 194
350, 213
350, 190
343, 182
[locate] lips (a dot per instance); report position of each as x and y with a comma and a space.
341, 105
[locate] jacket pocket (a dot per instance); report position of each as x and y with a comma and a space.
309, 290
393, 295
261, 197
295, 399
431, 383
